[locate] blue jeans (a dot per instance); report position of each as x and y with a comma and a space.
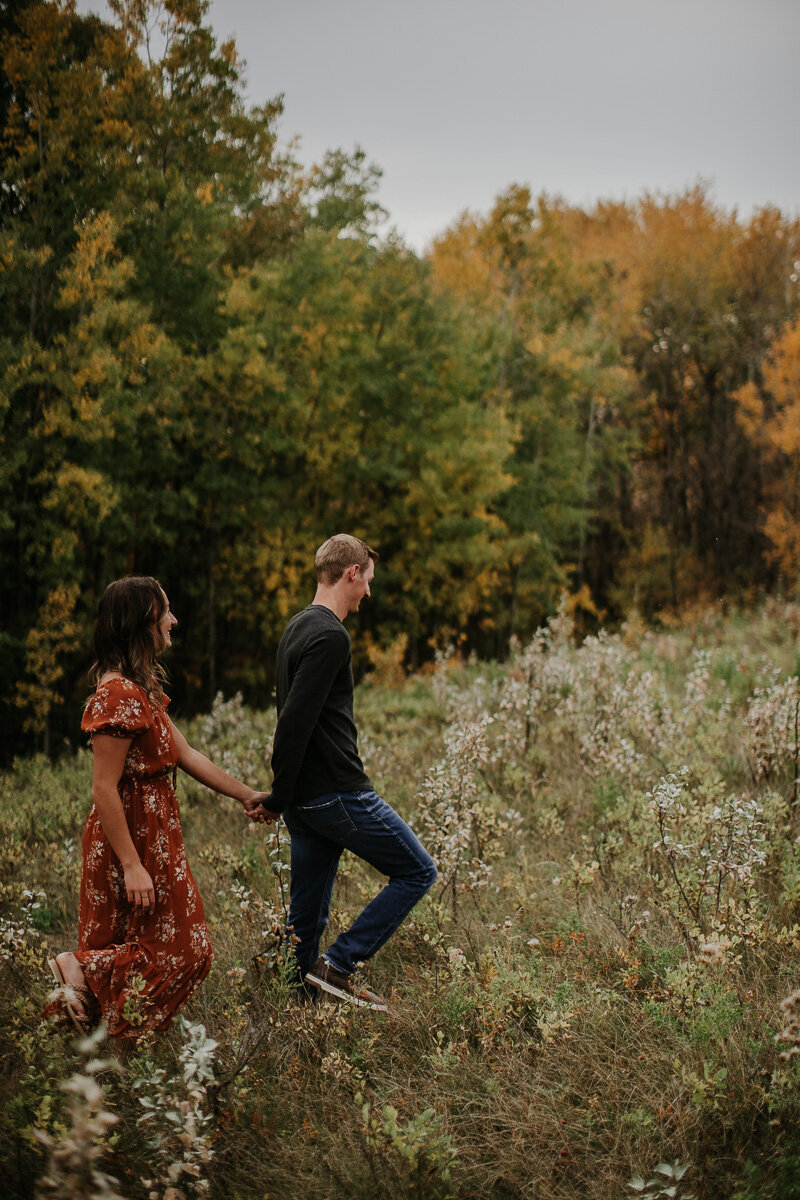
367, 826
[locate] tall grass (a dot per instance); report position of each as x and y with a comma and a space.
589, 1003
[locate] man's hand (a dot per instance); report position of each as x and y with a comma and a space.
256, 807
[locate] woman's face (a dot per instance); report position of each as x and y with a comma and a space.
163, 627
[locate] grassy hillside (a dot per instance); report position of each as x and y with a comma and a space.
599, 991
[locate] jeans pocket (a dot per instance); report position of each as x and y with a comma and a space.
329, 817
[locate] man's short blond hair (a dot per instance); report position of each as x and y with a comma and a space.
340, 552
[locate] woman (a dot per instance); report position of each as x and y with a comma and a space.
143, 944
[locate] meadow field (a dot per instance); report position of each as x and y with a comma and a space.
599, 998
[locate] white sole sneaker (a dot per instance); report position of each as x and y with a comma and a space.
325, 985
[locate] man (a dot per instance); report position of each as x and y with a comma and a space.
321, 789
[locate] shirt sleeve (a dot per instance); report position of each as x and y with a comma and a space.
119, 708
319, 664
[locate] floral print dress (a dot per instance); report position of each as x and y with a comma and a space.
141, 964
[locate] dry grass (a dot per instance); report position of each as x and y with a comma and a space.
545, 1039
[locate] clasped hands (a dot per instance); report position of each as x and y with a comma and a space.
257, 810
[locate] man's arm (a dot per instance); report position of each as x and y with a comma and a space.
320, 663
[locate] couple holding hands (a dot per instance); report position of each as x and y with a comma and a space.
143, 944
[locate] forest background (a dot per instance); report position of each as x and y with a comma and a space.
210, 361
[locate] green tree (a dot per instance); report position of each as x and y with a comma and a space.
560, 379
52, 138
359, 405
129, 184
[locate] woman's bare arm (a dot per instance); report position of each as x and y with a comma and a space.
206, 772
109, 759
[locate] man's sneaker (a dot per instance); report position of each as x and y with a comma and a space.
325, 977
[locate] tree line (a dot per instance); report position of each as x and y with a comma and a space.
211, 358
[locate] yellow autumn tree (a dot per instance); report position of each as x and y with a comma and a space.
54, 635
770, 414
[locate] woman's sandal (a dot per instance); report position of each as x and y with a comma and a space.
80, 991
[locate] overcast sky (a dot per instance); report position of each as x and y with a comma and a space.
587, 99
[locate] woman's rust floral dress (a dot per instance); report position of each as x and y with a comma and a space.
141, 964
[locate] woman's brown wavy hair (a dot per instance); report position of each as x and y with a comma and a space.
124, 633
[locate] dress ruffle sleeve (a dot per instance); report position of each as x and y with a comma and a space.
119, 708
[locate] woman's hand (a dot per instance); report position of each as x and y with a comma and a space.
256, 808
139, 887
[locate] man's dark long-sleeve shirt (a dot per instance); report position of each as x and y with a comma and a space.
316, 744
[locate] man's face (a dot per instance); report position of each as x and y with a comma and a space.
358, 584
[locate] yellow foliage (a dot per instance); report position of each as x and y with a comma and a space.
772, 415
782, 380
75, 489
581, 601
749, 410
460, 263
783, 530
84, 280
55, 634
387, 661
